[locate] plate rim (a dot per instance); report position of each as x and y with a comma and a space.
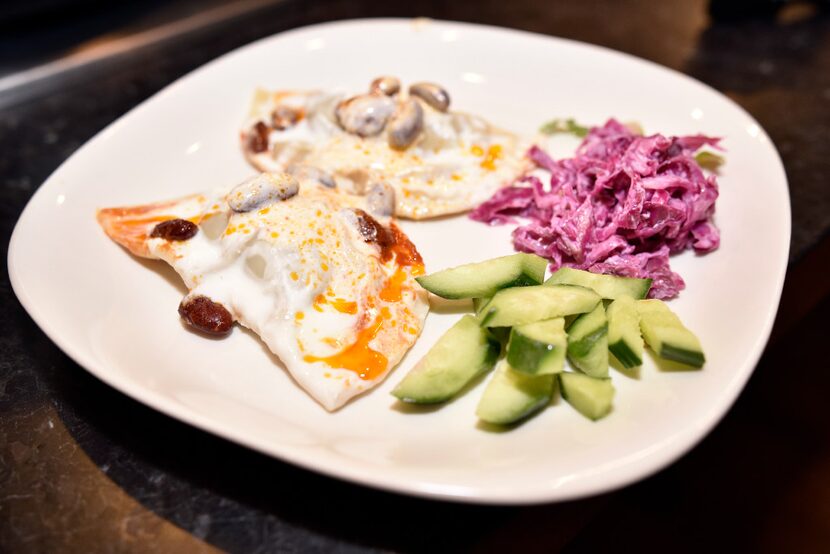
667, 451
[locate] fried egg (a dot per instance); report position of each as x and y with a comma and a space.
327, 286
435, 161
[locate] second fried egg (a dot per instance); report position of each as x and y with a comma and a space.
405, 147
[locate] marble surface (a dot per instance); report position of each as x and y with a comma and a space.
83, 468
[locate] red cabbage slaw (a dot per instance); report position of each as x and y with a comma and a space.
620, 206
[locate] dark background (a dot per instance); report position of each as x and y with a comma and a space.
84, 468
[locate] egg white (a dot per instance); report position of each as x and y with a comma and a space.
283, 271
458, 161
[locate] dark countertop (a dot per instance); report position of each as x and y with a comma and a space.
84, 468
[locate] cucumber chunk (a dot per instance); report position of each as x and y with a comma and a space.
462, 353
538, 348
511, 395
588, 343
520, 305
666, 334
590, 396
486, 278
607, 286
501, 334
624, 339
479, 303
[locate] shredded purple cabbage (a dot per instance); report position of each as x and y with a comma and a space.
621, 206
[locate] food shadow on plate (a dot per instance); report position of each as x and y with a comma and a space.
416, 409
669, 365
275, 360
440, 305
630, 372
169, 274
164, 271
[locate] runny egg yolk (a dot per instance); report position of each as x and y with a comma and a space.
339, 304
344, 306
393, 289
359, 356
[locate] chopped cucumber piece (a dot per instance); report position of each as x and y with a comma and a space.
666, 334
624, 339
607, 286
538, 348
486, 278
462, 353
520, 305
591, 397
588, 343
479, 303
512, 395
501, 334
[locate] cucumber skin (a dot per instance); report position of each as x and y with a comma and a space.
442, 390
593, 415
538, 348
589, 353
650, 310
521, 280
531, 272
688, 357
536, 390
621, 350
627, 357
525, 354
629, 286
525, 359
583, 346
487, 364
581, 349
488, 313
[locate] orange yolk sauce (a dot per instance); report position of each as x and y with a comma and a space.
493, 154
339, 304
393, 289
359, 357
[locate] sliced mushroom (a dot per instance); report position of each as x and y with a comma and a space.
261, 190
432, 94
284, 117
406, 124
311, 173
385, 85
380, 200
364, 115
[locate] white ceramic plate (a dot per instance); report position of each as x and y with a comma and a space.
116, 315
